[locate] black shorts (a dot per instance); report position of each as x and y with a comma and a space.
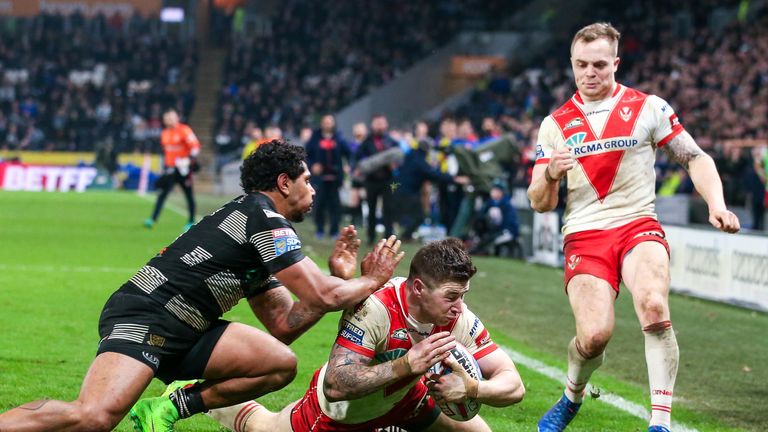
131, 324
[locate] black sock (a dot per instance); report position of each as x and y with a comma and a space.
188, 400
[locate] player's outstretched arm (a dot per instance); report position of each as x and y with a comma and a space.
684, 150
349, 375
343, 259
284, 318
329, 293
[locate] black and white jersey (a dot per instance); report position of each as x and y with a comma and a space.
230, 254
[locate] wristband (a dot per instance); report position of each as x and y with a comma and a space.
401, 367
548, 177
471, 386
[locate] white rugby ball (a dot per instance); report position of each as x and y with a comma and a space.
469, 408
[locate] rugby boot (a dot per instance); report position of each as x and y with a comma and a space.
558, 417
156, 414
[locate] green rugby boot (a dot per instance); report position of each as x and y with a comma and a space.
156, 414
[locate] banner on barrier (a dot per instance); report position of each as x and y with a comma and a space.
718, 266
547, 241
21, 177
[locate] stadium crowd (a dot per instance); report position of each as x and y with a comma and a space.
321, 56
70, 81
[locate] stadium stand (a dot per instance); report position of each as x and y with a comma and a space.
321, 56
69, 81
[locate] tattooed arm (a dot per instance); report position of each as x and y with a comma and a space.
285, 318
350, 375
700, 166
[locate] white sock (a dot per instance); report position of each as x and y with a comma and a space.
580, 369
662, 357
235, 417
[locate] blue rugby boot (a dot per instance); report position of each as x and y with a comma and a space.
657, 428
558, 417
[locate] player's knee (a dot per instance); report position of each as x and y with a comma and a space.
284, 369
654, 308
91, 419
594, 343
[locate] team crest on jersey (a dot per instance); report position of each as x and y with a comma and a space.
576, 139
400, 334
573, 261
625, 113
574, 123
285, 240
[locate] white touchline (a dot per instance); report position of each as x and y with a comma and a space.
607, 397
65, 269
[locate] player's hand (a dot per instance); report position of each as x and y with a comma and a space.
724, 220
380, 263
457, 386
194, 165
343, 259
560, 163
430, 351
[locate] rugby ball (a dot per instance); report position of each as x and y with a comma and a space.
469, 408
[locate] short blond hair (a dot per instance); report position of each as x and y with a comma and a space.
599, 30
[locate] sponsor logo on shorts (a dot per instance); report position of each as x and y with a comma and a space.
625, 113
400, 334
352, 333
285, 240
574, 123
573, 261
151, 358
156, 340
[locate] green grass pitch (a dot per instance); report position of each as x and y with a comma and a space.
61, 255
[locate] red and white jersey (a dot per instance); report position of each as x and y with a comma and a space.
381, 328
614, 142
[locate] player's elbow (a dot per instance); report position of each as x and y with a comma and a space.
332, 392
517, 394
541, 206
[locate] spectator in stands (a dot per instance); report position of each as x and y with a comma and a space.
326, 151
257, 139
379, 182
414, 172
180, 148
353, 207
496, 222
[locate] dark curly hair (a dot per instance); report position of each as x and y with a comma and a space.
261, 168
442, 261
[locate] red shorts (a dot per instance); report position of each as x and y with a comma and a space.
601, 253
416, 411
